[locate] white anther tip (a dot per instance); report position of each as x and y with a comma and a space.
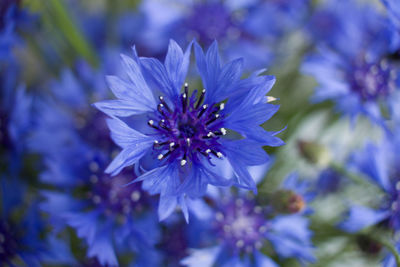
184, 95
155, 142
271, 99
223, 131
160, 156
205, 106
209, 134
203, 91
186, 84
183, 162
172, 144
219, 155
222, 106
208, 150
151, 122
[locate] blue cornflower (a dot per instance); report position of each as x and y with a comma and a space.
248, 29
186, 135
240, 227
380, 165
111, 219
22, 229
351, 63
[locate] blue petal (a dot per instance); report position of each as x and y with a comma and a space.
291, 237
102, 248
263, 260
166, 206
159, 75
121, 108
177, 63
124, 136
201, 257
252, 114
139, 87
360, 217
128, 156
135, 145
85, 224
373, 161
129, 92
247, 151
164, 180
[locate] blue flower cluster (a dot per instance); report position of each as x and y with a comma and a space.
147, 133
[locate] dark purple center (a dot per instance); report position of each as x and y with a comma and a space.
110, 194
372, 80
188, 132
241, 224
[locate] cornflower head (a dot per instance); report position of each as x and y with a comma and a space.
351, 64
111, 219
241, 229
181, 136
379, 164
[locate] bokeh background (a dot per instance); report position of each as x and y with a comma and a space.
59, 51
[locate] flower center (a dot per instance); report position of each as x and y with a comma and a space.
371, 80
190, 130
241, 224
110, 194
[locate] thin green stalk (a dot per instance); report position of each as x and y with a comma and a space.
65, 24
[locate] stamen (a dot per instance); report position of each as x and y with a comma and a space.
159, 108
213, 119
271, 99
184, 101
165, 104
183, 162
223, 131
158, 144
221, 106
203, 92
161, 156
202, 110
171, 145
151, 124
217, 154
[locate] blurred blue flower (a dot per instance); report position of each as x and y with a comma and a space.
112, 219
240, 227
393, 7
186, 134
22, 229
351, 63
249, 29
379, 164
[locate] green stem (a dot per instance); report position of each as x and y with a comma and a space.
388, 245
70, 31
